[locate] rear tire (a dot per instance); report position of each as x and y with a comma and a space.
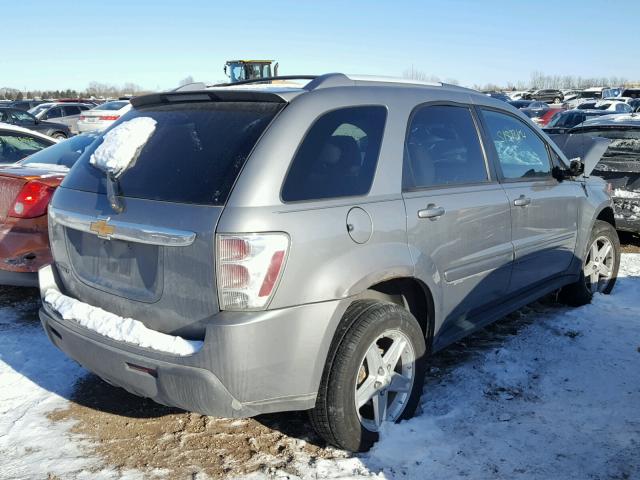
602, 256
59, 136
378, 359
556, 100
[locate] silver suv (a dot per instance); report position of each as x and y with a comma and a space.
259, 248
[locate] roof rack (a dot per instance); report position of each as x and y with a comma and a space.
266, 80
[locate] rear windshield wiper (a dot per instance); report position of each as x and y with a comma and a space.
113, 193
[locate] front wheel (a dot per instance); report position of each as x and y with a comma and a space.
375, 375
556, 100
59, 136
599, 267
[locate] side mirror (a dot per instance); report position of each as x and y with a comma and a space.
576, 167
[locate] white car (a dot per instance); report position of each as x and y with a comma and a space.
614, 106
102, 116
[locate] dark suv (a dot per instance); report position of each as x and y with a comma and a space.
24, 119
547, 95
237, 251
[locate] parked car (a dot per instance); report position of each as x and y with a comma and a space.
17, 143
630, 92
61, 112
22, 104
529, 104
102, 116
584, 96
546, 95
606, 105
565, 120
499, 95
28, 186
269, 250
544, 119
620, 164
24, 119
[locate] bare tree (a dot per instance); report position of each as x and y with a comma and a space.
186, 80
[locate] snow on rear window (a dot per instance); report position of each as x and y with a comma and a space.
122, 145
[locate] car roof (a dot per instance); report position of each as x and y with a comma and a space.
286, 88
15, 128
615, 120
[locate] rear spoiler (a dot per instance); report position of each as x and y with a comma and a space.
219, 95
587, 148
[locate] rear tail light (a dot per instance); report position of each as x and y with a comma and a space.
248, 269
109, 117
32, 201
81, 117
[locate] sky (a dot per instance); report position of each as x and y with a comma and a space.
156, 43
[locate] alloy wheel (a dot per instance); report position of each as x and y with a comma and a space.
385, 379
598, 265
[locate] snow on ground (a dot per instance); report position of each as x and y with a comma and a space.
560, 398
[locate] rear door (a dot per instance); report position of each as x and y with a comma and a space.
544, 211
71, 116
155, 260
458, 218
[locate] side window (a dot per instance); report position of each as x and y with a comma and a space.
71, 110
338, 155
521, 152
442, 148
54, 113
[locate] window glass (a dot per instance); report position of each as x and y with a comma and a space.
443, 148
22, 118
522, 153
64, 153
54, 113
71, 110
338, 156
194, 155
112, 105
16, 146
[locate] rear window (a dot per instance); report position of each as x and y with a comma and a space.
111, 106
64, 153
338, 155
193, 156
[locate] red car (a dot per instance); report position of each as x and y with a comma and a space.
546, 117
26, 187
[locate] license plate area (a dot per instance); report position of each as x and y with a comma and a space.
127, 269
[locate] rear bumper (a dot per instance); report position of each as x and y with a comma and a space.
250, 363
24, 247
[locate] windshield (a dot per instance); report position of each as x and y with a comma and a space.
624, 148
193, 154
35, 111
64, 153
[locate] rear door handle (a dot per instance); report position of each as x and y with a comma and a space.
522, 201
432, 211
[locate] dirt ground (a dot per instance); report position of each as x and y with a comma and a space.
134, 433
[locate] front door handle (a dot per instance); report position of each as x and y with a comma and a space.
522, 201
432, 211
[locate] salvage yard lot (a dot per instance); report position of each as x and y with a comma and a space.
548, 392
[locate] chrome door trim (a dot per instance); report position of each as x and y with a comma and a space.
126, 231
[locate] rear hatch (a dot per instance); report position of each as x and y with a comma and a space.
155, 260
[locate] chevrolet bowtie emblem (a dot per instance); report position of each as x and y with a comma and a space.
102, 229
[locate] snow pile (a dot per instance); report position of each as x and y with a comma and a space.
122, 145
618, 192
559, 399
116, 327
